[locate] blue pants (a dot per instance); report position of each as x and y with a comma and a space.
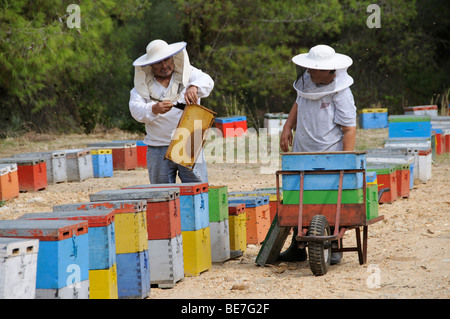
163, 171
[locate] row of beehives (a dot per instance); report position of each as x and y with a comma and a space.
36, 170
125, 241
407, 156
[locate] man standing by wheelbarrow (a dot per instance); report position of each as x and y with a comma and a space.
323, 116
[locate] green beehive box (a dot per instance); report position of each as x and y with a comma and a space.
218, 203
372, 201
409, 118
349, 196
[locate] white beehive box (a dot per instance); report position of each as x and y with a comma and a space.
220, 241
166, 261
18, 264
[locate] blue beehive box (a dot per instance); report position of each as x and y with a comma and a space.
249, 201
409, 126
133, 275
102, 246
102, 162
194, 211
373, 118
63, 257
322, 162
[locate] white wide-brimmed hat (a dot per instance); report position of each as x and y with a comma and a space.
159, 50
322, 57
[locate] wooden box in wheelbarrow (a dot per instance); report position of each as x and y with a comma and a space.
320, 187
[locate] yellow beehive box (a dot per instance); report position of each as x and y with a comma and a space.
103, 283
238, 231
131, 232
196, 251
374, 110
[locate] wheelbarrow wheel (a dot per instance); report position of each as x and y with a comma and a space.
319, 251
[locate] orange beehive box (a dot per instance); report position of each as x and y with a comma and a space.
9, 181
257, 210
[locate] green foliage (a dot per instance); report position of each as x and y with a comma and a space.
63, 79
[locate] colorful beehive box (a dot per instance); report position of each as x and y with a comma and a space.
131, 240
103, 283
18, 266
397, 159
421, 110
425, 164
409, 126
32, 173
141, 152
63, 257
102, 247
220, 241
322, 162
196, 251
218, 203
373, 118
133, 275
124, 154
387, 178
130, 220
238, 227
102, 162
372, 201
231, 126
257, 210
274, 122
102, 243
166, 261
9, 181
272, 193
440, 141
162, 208
194, 203
371, 178
447, 140
79, 165
55, 163
403, 180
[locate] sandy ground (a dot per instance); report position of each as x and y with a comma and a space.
408, 252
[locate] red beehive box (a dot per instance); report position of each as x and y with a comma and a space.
388, 179
440, 141
231, 126
9, 181
447, 141
403, 181
32, 173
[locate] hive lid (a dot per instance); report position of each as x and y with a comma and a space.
184, 188
96, 217
148, 194
250, 201
44, 230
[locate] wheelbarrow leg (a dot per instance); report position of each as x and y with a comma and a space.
358, 246
362, 249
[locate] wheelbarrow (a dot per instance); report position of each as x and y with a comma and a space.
321, 227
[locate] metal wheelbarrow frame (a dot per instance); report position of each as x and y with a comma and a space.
346, 217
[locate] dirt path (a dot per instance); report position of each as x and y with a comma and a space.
408, 252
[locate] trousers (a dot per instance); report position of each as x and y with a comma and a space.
164, 171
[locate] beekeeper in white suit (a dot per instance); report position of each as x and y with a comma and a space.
323, 115
164, 83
